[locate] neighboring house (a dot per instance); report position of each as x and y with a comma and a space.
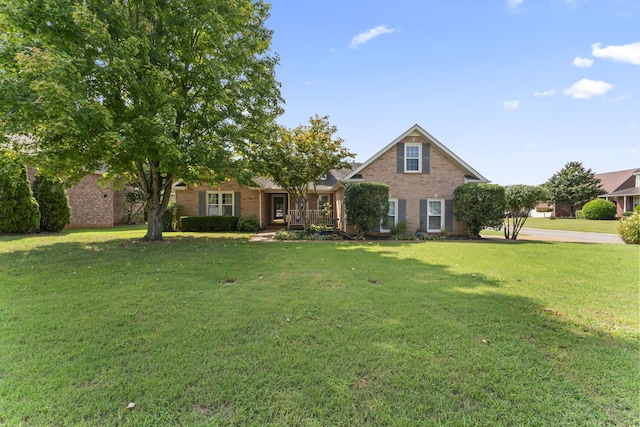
92, 204
420, 171
623, 189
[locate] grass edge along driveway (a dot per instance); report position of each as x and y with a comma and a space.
213, 330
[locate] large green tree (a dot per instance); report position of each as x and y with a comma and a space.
520, 199
153, 90
573, 185
298, 158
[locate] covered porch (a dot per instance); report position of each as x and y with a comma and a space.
279, 210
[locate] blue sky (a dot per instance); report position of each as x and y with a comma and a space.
516, 88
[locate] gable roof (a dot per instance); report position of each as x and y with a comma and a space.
472, 173
611, 181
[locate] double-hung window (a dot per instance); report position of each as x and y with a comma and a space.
434, 215
392, 216
220, 204
413, 158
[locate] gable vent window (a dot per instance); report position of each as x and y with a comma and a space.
412, 157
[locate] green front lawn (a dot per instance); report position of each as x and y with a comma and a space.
568, 224
208, 329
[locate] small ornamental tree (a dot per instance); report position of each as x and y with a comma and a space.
479, 206
366, 205
573, 185
18, 209
519, 199
297, 159
55, 212
599, 209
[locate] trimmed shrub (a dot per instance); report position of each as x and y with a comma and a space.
479, 206
171, 219
366, 204
579, 214
249, 223
599, 209
629, 229
637, 209
55, 212
209, 223
19, 211
285, 234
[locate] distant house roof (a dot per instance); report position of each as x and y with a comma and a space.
471, 173
612, 181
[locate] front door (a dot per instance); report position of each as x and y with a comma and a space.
279, 203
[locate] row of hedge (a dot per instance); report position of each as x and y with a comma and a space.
219, 223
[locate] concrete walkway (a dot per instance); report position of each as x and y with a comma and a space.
263, 236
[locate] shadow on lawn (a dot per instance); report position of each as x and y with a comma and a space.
416, 342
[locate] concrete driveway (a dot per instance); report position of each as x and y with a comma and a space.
568, 236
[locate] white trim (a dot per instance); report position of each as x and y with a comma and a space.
432, 140
395, 216
442, 216
413, 144
220, 198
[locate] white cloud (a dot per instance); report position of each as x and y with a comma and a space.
545, 93
582, 62
514, 4
625, 53
370, 34
585, 89
511, 105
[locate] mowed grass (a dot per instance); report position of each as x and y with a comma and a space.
572, 224
214, 330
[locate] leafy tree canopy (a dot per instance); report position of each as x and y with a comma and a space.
573, 185
151, 89
297, 159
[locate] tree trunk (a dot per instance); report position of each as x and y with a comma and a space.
154, 224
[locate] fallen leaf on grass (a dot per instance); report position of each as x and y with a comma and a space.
485, 342
131, 405
551, 311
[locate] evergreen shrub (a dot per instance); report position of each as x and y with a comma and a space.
209, 223
19, 211
55, 212
599, 209
249, 223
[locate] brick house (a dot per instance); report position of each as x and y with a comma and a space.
623, 189
421, 173
93, 205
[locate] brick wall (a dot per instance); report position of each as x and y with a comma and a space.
92, 205
444, 177
189, 198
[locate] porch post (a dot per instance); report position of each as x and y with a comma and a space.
260, 207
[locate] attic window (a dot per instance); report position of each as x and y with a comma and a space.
412, 157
